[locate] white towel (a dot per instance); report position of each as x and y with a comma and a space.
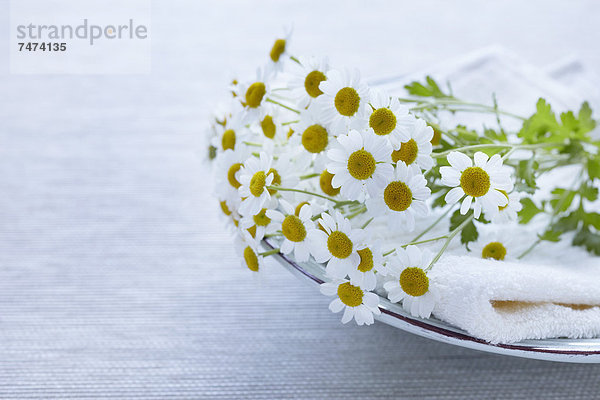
504, 302
555, 291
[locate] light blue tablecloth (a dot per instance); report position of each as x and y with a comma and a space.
117, 279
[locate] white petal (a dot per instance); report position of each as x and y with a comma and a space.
454, 195
459, 160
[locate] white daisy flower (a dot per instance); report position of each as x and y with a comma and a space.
312, 135
360, 164
228, 165
482, 181
408, 281
388, 118
508, 212
295, 229
254, 94
232, 131
305, 79
417, 148
402, 198
337, 244
356, 301
343, 100
259, 224
249, 254
371, 261
279, 52
255, 176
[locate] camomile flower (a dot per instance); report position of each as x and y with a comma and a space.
408, 281
337, 244
508, 212
249, 254
343, 100
228, 165
496, 244
295, 229
388, 118
358, 302
259, 224
417, 148
305, 78
360, 163
482, 182
402, 198
232, 131
254, 179
254, 94
371, 261
229, 214
279, 51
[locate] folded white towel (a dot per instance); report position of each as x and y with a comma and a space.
505, 302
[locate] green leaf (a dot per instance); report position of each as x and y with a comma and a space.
562, 199
528, 211
592, 219
526, 172
588, 192
588, 239
551, 236
569, 222
541, 125
429, 88
469, 233
593, 167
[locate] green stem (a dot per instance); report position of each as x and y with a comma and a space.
283, 105
356, 213
426, 241
448, 240
426, 104
530, 248
290, 122
430, 227
269, 252
387, 253
309, 176
497, 146
294, 59
302, 191
366, 223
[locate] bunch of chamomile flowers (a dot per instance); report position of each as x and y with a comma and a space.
312, 160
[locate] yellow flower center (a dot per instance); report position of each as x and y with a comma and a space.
231, 175
290, 133
277, 50
339, 245
251, 259
224, 208
366, 260
299, 207
397, 196
261, 218
325, 183
312, 82
350, 295
255, 94
507, 200
495, 250
347, 101
252, 231
228, 139
361, 164
383, 121
437, 137
414, 281
475, 181
408, 152
268, 127
293, 228
276, 180
314, 139
257, 183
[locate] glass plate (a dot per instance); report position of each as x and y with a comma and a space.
563, 350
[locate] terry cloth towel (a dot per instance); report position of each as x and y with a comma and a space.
504, 302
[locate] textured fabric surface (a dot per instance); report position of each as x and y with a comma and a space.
117, 279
